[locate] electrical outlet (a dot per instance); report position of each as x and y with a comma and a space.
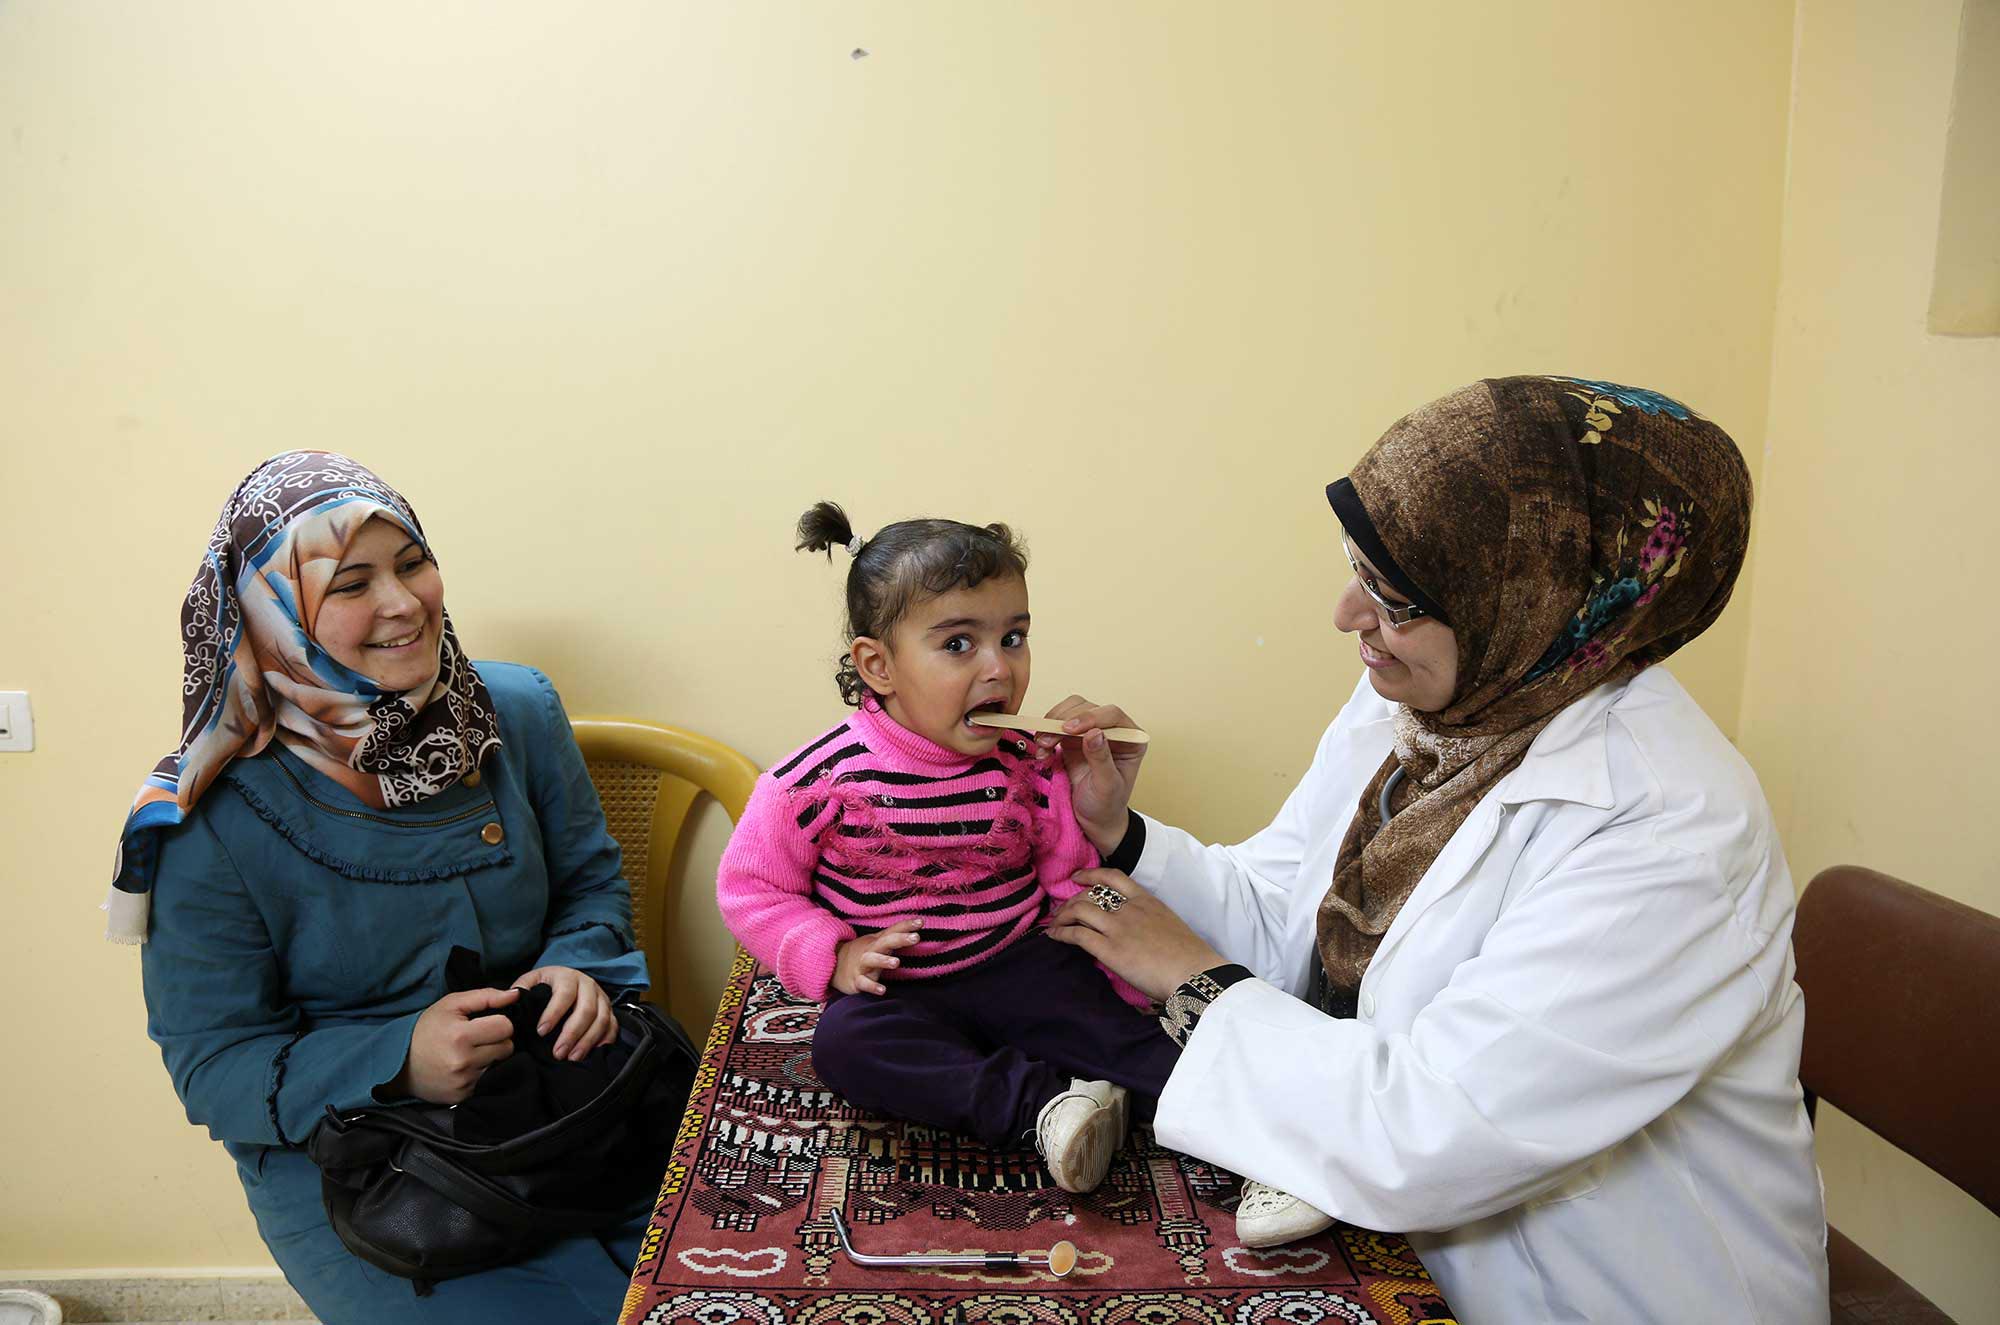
17, 722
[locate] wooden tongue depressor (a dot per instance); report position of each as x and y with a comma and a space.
1053, 727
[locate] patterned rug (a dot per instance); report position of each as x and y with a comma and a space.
741, 1233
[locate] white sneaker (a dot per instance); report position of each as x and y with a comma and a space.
1267, 1217
1078, 1132
1121, 1103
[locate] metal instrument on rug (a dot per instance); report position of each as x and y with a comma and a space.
1059, 1260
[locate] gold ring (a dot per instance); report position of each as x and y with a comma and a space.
1105, 899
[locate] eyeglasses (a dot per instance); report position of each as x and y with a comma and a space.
1393, 615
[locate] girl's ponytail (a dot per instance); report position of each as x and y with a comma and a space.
823, 528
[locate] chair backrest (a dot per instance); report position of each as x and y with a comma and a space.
649, 776
1903, 1018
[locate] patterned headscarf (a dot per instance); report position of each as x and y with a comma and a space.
251, 668
1571, 533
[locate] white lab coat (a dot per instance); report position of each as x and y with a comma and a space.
1574, 1078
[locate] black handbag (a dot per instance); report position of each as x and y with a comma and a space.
541, 1151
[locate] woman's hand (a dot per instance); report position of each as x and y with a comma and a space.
456, 1038
860, 959
1142, 940
1101, 771
590, 1023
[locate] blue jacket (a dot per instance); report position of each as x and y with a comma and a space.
297, 932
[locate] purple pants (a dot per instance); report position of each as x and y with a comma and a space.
981, 1051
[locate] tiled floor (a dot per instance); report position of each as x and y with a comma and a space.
262, 1300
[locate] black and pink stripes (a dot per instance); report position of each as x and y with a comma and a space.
952, 850
870, 824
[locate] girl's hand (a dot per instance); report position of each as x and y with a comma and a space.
1143, 941
456, 1038
1101, 771
590, 1023
854, 970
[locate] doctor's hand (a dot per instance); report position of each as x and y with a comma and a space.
860, 960
1101, 771
1141, 939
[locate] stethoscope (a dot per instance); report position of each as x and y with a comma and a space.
1389, 785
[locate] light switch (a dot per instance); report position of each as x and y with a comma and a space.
17, 722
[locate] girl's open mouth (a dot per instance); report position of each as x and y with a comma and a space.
990, 706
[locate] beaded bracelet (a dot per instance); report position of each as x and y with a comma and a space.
1181, 1013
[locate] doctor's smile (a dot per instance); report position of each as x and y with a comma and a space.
1371, 658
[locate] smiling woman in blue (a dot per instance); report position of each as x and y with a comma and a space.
351, 798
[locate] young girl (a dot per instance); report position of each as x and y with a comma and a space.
907, 846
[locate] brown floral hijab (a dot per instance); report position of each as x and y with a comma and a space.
251, 668
1571, 533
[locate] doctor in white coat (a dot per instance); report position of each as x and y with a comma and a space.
1511, 971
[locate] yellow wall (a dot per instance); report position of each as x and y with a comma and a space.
614, 291
1873, 638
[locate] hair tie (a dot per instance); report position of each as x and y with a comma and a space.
854, 546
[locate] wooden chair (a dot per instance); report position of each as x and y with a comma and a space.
649, 776
1902, 1015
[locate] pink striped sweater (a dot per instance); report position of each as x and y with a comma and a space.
870, 823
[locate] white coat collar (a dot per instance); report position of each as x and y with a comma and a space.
1571, 759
